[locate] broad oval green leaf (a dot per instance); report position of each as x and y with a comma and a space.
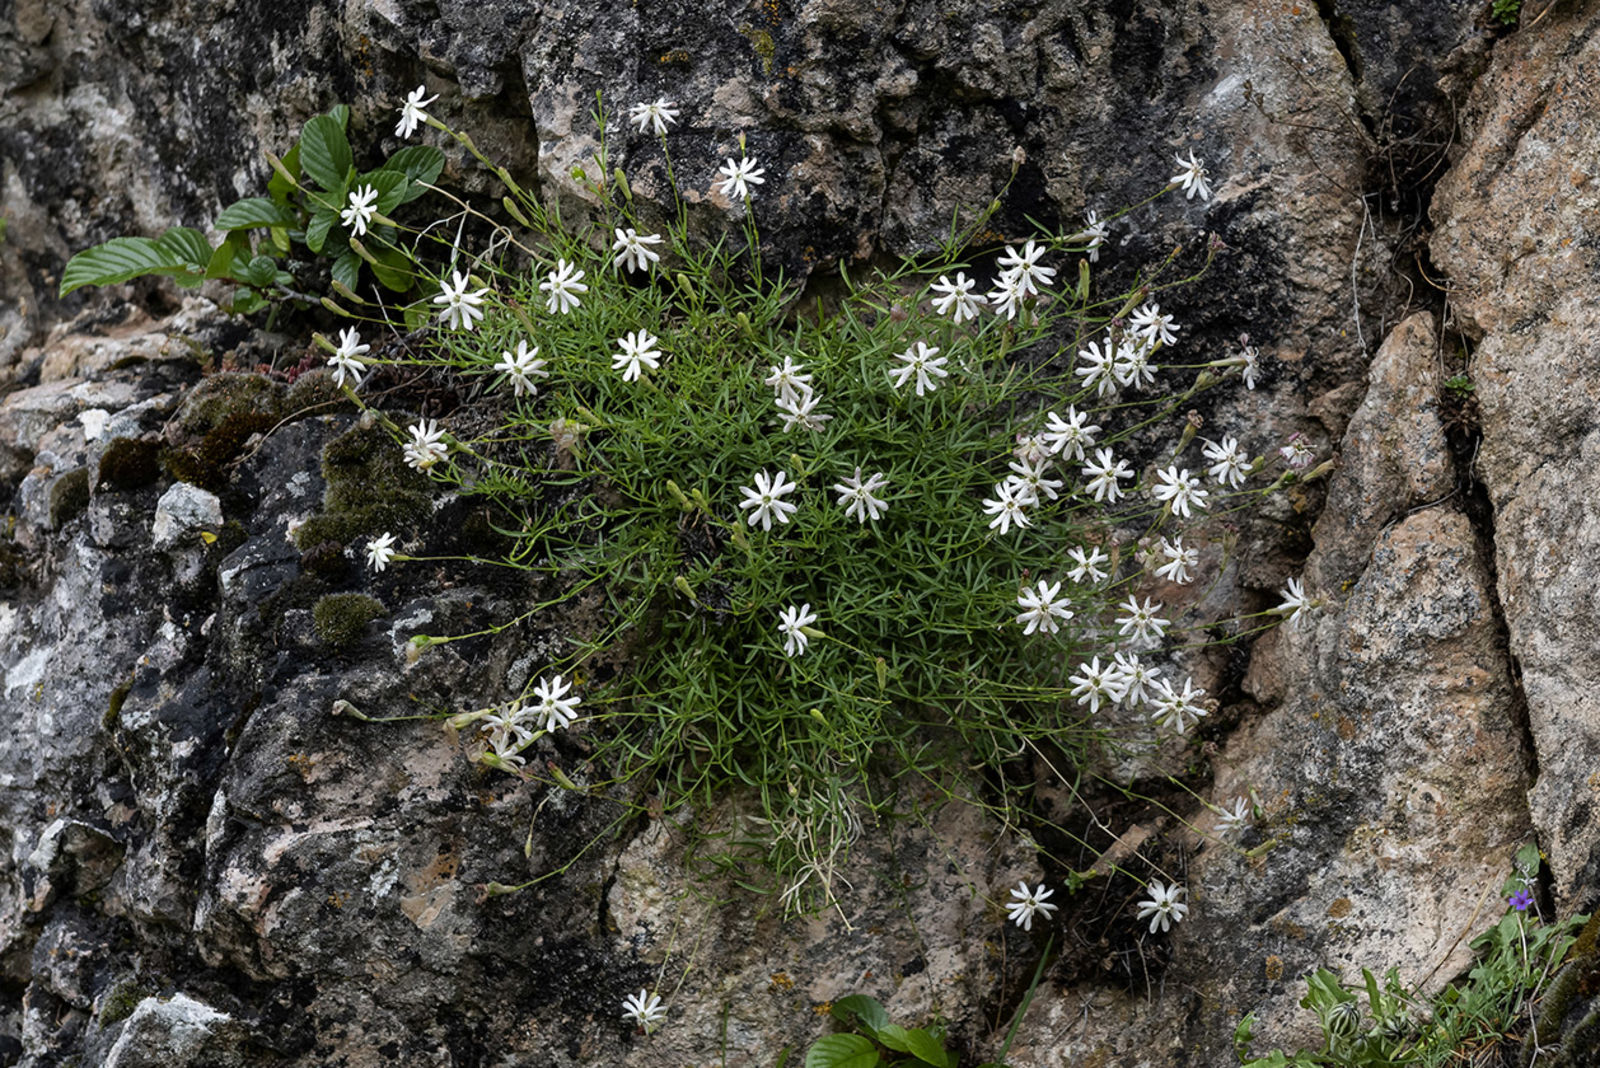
324, 152
346, 270
869, 1011
262, 271
390, 185
322, 221
895, 1037
842, 1051
252, 212
419, 163
927, 1049
188, 247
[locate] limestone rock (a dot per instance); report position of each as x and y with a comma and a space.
184, 510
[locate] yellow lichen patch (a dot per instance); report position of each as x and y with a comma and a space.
1274, 968
1340, 908
780, 982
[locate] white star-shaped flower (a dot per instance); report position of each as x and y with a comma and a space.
1149, 323
1087, 564
788, 380
1296, 605
657, 115
1165, 906
644, 1009
1025, 266
361, 209
958, 298
738, 177
1042, 608
344, 362
1030, 481
1007, 508
633, 250
1233, 819
563, 284
1134, 675
1094, 684
791, 624
766, 500
919, 360
426, 446
1179, 489
380, 551
554, 706
800, 411
1099, 368
462, 310
1025, 904
1068, 437
1007, 295
859, 498
521, 368
1103, 474
1133, 367
1228, 466
638, 352
1192, 179
1178, 562
411, 112
1094, 231
1142, 622
1177, 709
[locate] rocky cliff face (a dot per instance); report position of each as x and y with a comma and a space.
201, 864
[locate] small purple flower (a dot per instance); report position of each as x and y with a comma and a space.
1521, 900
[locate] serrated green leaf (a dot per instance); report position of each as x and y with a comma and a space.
325, 153
118, 260
842, 1051
419, 163
859, 1007
347, 270
252, 212
322, 221
278, 187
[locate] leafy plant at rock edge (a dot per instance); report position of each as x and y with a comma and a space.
311, 202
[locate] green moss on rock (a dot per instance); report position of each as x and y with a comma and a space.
121, 1002
369, 490
340, 618
129, 463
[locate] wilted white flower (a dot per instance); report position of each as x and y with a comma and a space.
1297, 454
1233, 818
1296, 605
658, 115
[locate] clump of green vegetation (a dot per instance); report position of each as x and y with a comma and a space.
1506, 12
129, 463
121, 1001
368, 489
1501, 994
340, 619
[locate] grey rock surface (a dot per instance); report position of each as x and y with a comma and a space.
201, 863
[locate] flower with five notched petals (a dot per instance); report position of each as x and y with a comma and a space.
361, 209
344, 362
657, 115
1025, 904
792, 622
462, 310
411, 112
766, 500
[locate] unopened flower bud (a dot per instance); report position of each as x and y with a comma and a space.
515, 212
